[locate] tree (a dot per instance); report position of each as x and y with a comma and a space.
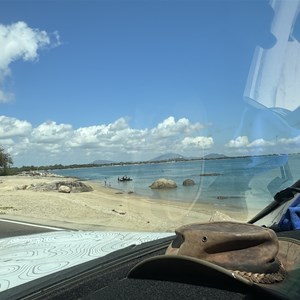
5, 161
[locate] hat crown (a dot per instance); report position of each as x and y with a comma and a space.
232, 245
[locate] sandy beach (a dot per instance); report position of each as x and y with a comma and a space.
102, 208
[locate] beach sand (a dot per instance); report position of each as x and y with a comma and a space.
101, 209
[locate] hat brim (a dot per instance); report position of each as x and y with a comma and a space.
192, 270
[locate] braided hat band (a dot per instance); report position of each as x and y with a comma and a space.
265, 278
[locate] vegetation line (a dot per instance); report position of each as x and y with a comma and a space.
6, 163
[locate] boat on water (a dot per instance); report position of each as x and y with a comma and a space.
124, 178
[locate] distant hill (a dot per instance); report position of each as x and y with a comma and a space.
168, 156
102, 162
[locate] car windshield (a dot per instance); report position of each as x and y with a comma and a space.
142, 116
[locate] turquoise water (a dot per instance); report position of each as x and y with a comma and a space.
252, 180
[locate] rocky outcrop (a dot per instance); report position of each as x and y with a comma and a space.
39, 174
60, 186
188, 182
75, 186
163, 183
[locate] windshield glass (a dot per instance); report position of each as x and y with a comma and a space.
201, 94
146, 115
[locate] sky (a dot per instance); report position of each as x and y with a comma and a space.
131, 80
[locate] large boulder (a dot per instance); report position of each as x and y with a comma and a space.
188, 182
163, 183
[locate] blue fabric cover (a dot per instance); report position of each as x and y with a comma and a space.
291, 218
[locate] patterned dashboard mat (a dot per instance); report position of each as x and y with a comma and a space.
29, 257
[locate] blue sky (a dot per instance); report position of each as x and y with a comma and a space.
130, 80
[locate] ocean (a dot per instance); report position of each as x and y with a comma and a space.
236, 182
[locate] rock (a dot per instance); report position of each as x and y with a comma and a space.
61, 186
39, 174
22, 187
75, 186
42, 187
188, 182
64, 189
163, 183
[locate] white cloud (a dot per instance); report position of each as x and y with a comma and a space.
19, 41
169, 127
243, 142
260, 143
200, 142
50, 132
11, 127
50, 143
120, 124
5, 96
87, 136
239, 142
115, 135
289, 141
6, 142
241, 145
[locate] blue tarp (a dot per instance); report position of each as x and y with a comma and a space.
291, 218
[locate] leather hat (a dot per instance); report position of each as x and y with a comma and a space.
228, 252
240, 247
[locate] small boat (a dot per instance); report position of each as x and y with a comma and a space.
124, 178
